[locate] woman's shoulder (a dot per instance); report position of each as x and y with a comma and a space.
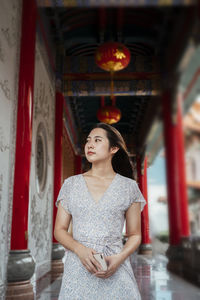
127, 179
72, 178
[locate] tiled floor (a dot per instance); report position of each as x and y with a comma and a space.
154, 282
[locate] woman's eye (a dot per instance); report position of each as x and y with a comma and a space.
97, 140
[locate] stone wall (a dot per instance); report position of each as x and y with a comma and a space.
10, 30
42, 164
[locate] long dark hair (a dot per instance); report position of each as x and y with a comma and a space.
121, 162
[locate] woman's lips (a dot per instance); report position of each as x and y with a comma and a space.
90, 153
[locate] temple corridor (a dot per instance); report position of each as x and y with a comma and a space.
66, 66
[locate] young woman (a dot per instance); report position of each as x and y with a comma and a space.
98, 201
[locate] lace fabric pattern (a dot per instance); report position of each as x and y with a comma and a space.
98, 226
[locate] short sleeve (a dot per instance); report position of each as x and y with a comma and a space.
64, 196
136, 195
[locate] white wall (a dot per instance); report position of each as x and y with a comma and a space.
10, 30
41, 205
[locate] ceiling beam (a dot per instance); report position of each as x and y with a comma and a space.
116, 76
113, 3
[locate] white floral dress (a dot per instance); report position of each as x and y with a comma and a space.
98, 226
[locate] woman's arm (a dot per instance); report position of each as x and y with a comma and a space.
133, 228
64, 238
61, 233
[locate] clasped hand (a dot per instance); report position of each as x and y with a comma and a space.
92, 265
113, 262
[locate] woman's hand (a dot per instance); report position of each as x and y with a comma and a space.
85, 255
113, 262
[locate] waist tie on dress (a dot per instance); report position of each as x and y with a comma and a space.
108, 244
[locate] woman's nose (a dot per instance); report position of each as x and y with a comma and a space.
90, 145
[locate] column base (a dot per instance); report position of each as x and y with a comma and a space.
196, 259
191, 258
57, 265
20, 269
21, 266
145, 249
175, 255
20, 291
57, 268
184, 259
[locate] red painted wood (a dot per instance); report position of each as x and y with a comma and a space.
171, 172
66, 134
58, 152
183, 199
145, 213
78, 164
24, 127
69, 119
142, 182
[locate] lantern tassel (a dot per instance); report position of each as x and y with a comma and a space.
112, 86
113, 101
102, 101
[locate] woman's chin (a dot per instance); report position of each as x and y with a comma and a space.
90, 159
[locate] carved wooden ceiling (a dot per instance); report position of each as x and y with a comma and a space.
156, 37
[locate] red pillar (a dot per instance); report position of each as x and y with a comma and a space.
58, 151
142, 181
24, 127
183, 200
175, 164
170, 138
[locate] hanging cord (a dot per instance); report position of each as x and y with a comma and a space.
113, 100
102, 101
112, 85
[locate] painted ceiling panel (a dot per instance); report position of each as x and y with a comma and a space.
152, 34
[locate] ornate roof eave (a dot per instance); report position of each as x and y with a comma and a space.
112, 3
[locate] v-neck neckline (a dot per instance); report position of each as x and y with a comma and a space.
105, 192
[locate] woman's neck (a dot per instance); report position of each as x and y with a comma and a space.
102, 170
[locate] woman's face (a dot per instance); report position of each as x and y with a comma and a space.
97, 146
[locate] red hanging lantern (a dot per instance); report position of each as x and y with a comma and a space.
112, 56
108, 114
